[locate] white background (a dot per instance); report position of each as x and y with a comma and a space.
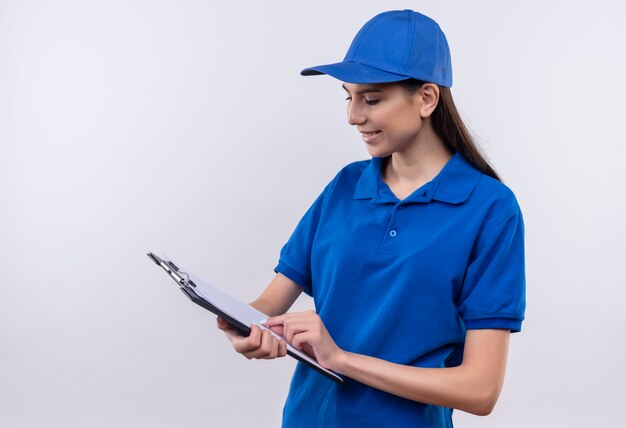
184, 128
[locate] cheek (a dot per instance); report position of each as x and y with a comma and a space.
400, 117
405, 125
388, 118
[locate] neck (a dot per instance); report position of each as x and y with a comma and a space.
421, 163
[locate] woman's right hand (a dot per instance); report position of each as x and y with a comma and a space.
260, 344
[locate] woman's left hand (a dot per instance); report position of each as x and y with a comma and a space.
306, 331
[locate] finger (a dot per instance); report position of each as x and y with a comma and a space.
290, 316
250, 343
222, 324
302, 339
278, 329
267, 343
231, 333
282, 348
264, 350
274, 345
292, 329
274, 321
226, 326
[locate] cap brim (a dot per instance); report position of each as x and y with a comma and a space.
353, 72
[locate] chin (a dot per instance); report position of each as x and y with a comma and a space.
377, 153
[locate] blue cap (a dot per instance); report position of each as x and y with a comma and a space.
393, 46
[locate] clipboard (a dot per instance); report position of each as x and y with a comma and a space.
240, 315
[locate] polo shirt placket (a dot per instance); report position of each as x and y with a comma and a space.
401, 212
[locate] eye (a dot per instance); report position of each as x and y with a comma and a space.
349, 99
371, 102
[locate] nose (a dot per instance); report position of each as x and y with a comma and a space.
355, 114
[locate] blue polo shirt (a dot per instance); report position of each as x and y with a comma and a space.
402, 281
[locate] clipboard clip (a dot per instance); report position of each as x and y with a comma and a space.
181, 278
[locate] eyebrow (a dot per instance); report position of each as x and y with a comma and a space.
363, 91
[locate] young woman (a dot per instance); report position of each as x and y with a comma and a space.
414, 258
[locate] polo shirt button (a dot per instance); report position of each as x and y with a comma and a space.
393, 232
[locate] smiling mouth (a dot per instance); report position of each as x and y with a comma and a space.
370, 137
370, 134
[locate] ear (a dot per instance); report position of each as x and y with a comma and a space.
429, 97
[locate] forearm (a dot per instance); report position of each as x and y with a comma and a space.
278, 297
456, 387
474, 386
266, 306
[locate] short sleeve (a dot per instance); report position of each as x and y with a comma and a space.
295, 256
494, 288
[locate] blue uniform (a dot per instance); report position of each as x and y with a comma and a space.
402, 281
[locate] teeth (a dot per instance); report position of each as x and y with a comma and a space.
369, 134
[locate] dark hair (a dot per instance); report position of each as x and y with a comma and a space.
449, 126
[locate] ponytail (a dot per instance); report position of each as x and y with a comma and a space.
449, 126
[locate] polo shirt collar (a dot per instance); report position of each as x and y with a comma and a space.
453, 184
